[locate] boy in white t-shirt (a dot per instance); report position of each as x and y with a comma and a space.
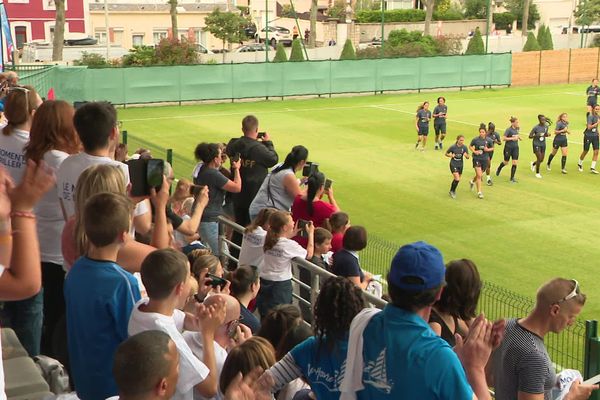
166, 276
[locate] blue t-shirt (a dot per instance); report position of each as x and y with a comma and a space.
405, 359
323, 369
99, 298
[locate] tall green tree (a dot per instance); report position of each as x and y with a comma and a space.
518, 9
296, 54
280, 55
429, 4
544, 38
348, 52
475, 45
588, 12
227, 26
59, 31
475, 9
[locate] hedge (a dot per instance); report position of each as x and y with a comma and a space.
372, 16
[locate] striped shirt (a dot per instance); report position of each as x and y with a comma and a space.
522, 364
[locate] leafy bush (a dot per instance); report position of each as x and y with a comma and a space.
475, 45
364, 16
139, 56
338, 10
475, 9
531, 44
91, 60
287, 11
448, 45
545, 38
452, 14
503, 20
442, 5
348, 52
516, 8
176, 52
280, 55
296, 54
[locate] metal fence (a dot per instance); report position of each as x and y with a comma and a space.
567, 349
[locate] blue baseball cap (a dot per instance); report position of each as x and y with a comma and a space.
417, 260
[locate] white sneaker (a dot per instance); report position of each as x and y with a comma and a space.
564, 171
548, 168
593, 171
538, 176
533, 166
480, 195
580, 167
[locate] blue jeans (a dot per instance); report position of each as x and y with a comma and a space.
26, 318
209, 234
272, 294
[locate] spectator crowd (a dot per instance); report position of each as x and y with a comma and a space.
132, 290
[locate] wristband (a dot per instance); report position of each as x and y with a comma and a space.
22, 214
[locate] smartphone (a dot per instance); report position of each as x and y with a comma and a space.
216, 281
195, 190
302, 228
310, 168
236, 157
592, 381
145, 174
328, 183
154, 173
261, 135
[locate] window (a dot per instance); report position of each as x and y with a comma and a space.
20, 36
157, 36
100, 36
117, 36
137, 39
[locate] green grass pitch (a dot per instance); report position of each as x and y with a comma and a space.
519, 235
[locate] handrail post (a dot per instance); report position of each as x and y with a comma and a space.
314, 292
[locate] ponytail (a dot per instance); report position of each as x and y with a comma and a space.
260, 220
299, 153
206, 152
315, 183
277, 222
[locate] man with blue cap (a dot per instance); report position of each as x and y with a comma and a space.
401, 357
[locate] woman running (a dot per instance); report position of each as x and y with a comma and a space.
592, 95
439, 122
590, 138
511, 148
560, 140
422, 124
480, 146
495, 140
456, 152
539, 133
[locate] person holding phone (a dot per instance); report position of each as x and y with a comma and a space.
281, 186
511, 148
456, 153
422, 125
310, 207
590, 138
560, 140
218, 185
276, 268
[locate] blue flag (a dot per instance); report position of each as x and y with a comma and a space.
6, 33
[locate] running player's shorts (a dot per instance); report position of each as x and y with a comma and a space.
592, 102
560, 141
423, 130
511, 152
440, 127
456, 167
480, 163
539, 149
590, 140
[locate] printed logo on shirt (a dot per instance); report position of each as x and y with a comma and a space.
11, 159
67, 191
330, 381
375, 374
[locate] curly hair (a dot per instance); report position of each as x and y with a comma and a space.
338, 303
463, 287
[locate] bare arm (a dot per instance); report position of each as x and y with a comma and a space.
132, 253
160, 235
210, 320
235, 185
291, 185
310, 246
190, 226
329, 193
143, 223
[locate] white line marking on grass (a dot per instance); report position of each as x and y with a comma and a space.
412, 113
286, 110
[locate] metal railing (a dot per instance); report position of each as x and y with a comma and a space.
317, 274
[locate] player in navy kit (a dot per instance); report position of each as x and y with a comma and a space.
495, 137
511, 148
539, 133
457, 152
590, 138
592, 95
439, 121
480, 146
422, 124
560, 140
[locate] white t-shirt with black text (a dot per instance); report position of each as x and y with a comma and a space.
12, 154
191, 370
252, 252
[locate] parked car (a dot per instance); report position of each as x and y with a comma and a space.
250, 48
277, 34
202, 49
250, 30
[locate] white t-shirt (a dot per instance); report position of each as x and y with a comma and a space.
50, 219
277, 265
12, 155
69, 171
194, 340
191, 370
252, 252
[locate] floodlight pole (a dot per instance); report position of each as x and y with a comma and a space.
106, 28
266, 31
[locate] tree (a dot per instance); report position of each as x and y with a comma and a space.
227, 26
588, 12
429, 4
59, 31
475, 45
525, 19
176, 52
475, 9
296, 54
544, 38
549, 41
312, 38
516, 8
280, 55
348, 52
531, 44
173, 12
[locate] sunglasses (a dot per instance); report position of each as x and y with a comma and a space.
574, 293
21, 89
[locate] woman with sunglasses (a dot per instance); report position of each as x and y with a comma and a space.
20, 106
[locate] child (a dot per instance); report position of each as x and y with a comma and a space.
322, 253
166, 276
339, 222
100, 296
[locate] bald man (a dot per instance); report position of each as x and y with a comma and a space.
229, 334
522, 369
146, 367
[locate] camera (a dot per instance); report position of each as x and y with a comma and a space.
310, 168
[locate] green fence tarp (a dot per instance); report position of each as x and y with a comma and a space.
254, 80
